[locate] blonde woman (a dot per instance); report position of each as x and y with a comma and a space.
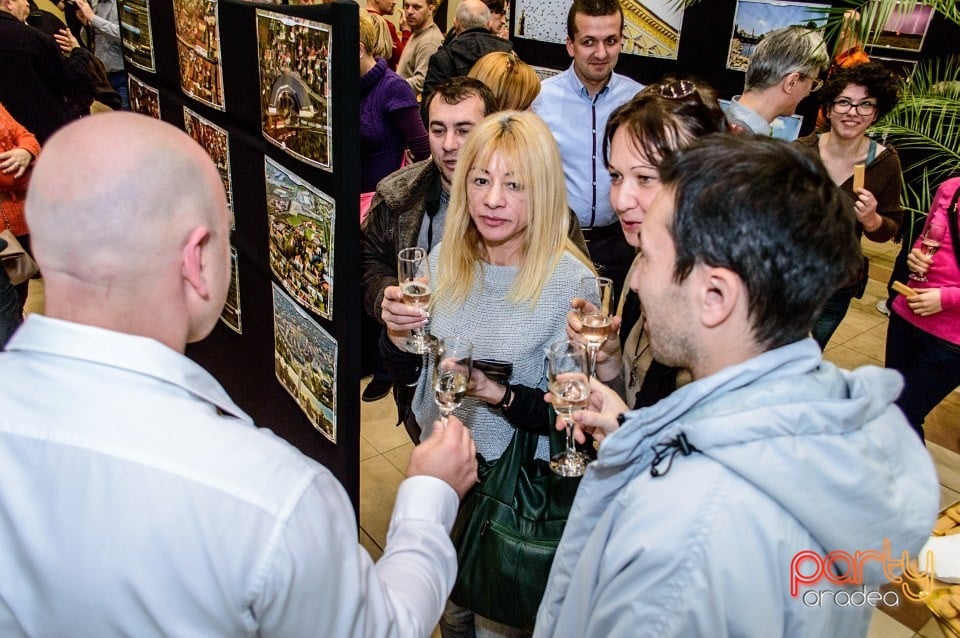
504, 273
514, 82
503, 278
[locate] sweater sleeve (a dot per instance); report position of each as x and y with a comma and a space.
408, 121
885, 186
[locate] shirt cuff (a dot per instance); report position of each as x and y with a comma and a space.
426, 498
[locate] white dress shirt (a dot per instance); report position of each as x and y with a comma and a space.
137, 499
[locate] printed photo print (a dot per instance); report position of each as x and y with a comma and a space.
305, 361
651, 28
904, 29
217, 144
301, 219
136, 33
753, 20
198, 45
144, 99
230, 315
294, 86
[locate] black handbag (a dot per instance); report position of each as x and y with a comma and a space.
507, 531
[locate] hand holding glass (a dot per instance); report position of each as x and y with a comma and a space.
929, 245
570, 387
595, 316
413, 273
452, 364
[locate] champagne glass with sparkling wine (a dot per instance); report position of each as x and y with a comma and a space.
929, 245
570, 386
413, 271
452, 364
595, 317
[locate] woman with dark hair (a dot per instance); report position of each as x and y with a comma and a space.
853, 99
658, 121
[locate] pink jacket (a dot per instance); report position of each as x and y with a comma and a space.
944, 274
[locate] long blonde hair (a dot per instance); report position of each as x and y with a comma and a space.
526, 145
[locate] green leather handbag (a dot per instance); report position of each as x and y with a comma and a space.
507, 531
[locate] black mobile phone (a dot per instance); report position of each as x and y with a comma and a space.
496, 370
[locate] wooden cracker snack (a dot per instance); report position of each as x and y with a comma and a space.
859, 176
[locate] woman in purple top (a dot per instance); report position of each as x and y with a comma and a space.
389, 113
923, 339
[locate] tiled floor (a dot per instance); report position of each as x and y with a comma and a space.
385, 449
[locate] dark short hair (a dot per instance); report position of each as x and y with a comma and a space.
458, 89
659, 125
595, 8
878, 80
496, 6
770, 213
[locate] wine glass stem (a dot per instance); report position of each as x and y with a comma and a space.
571, 449
592, 349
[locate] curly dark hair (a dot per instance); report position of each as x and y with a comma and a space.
880, 83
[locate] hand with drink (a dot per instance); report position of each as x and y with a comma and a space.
609, 357
569, 393
404, 306
920, 260
595, 320
452, 366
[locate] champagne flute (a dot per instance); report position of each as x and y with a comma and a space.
413, 271
595, 319
452, 364
570, 386
929, 245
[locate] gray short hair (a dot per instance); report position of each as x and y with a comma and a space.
785, 51
472, 15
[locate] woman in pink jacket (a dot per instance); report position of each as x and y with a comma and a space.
923, 340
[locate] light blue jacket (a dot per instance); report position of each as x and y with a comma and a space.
794, 454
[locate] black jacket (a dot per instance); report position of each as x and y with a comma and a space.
457, 57
33, 78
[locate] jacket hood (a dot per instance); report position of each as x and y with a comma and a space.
802, 431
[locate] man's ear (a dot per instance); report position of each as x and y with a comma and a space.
791, 81
569, 47
722, 290
194, 261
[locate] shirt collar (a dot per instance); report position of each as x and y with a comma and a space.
140, 355
578, 88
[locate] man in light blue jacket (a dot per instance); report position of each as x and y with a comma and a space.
737, 506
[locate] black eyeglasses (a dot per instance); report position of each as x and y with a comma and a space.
677, 90
843, 105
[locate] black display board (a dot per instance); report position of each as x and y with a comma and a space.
703, 48
320, 256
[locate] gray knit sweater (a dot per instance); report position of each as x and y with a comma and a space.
502, 330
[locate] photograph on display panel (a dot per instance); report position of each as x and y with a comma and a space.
198, 46
305, 361
137, 34
294, 86
144, 99
230, 315
301, 222
755, 19
650, 28
901, 68
904, 30
216, 143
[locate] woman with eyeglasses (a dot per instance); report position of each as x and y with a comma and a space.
852, 100
658, 121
